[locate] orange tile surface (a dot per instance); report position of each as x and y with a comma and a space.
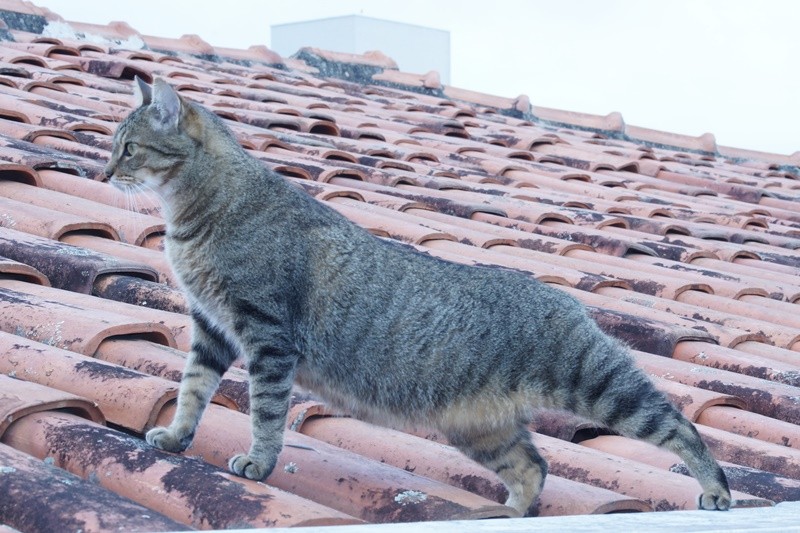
39, 497
686, 250
183, 489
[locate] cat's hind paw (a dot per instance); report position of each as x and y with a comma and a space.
245, 466
166, 439
714, 500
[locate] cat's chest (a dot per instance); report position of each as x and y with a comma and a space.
200, 272
204, 284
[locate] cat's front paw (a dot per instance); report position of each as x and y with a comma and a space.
715, 500
245, 466
166, 439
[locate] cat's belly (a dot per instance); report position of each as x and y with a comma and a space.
485, 410
350, 401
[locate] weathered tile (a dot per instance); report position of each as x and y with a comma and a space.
40, 497
182, 488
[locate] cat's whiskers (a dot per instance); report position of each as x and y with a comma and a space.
132, 206
141, 195
119, 197
129, 201
163, 206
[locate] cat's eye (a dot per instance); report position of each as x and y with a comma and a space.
128, 149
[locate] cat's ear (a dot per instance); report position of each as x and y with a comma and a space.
167, 102
142, 92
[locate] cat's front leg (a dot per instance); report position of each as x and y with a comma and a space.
271, 376
210, 357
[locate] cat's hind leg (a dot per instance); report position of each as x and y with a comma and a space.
670, 430
630, 405
684, 440
210, 357
510, 453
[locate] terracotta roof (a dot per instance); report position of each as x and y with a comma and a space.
685, 249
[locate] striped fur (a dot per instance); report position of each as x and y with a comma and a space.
378, 330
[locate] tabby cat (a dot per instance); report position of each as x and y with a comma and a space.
374, 328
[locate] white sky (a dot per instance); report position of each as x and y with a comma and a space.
729, 67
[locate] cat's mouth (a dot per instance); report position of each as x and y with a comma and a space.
125, 183
143, 180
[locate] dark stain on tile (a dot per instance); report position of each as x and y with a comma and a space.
40, 157
104, 372
585, 216
23, 22
63, 108
749, 195
582, 475
679, 267
67, 267
538, 245
172, 375
589, 282
787, 377
236, 391
759, 401
644, 286
90, 446
571, 162
733, 453
112, 69
680, 401
480, 485
353, 72
190, 478
637, 332
141, 292
663, 505
781, 259
672, 251
17, 298
92, 139
38, 497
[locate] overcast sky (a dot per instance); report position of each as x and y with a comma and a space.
729, 67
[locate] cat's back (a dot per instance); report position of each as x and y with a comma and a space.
255, 236
258, 237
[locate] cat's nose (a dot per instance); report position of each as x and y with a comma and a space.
108, 171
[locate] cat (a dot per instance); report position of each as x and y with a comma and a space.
375, 328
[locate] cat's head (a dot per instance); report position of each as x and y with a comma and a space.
155, 141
